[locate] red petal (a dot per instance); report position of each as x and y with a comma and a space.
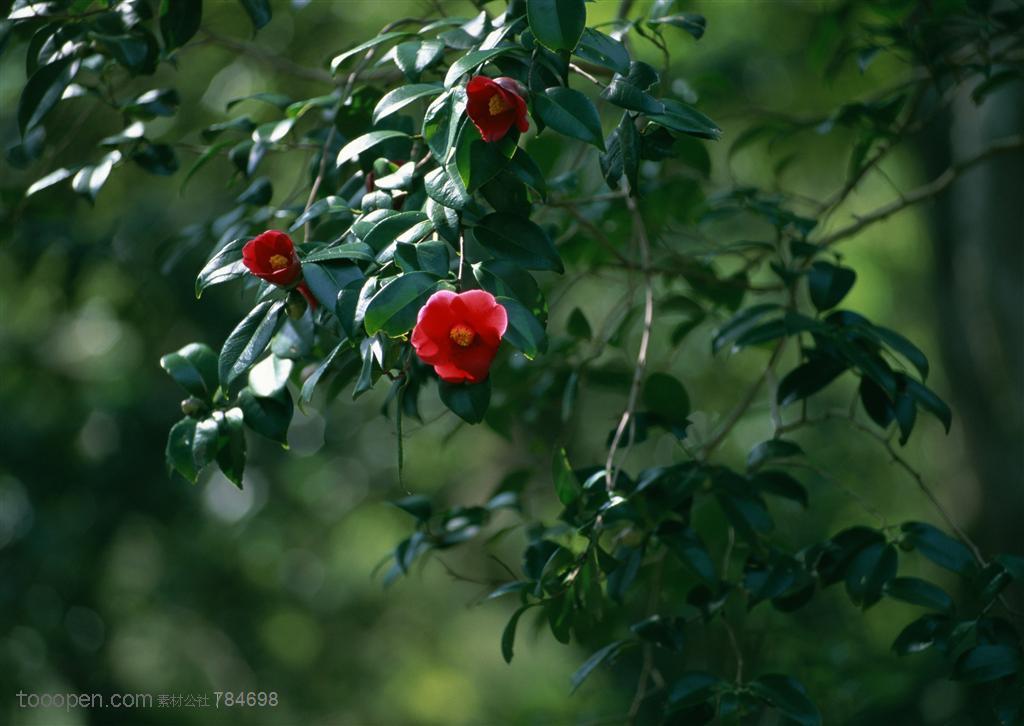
482, 312
475, 360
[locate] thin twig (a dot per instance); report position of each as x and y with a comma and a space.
640, 233
275, 61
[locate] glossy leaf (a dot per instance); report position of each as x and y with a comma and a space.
43, 91
394, 308
518, 240
524, 331
194, 368
468, 401
570, 113
224, 266
179, 21
248, 341
258, 11
394, 101
584, 671
557, 24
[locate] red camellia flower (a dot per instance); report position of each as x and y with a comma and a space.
271, 256
495, 105
459, 334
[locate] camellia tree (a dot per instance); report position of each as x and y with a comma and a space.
444, 176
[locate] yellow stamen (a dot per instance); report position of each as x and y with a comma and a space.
278, 262
497, 105
462, 335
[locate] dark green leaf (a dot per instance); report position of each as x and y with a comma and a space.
231, 455
90, 179
678, 116
921, 634
364, 143
938, 547
415, 56
158, 159
772, 450
518, 240
339, 59
468, 401
524, 331
984, 663
508, 635
417, 505
782, 485
593, 662
691, 689
393, 309
179, 449
43, 91
919, 592
258, 11
788, 696
224, 266
690, 22
930, 402
157, 102
570, 113
268, 416
248, 340
470, 61
179, 21
603, 50
399, 98
807, 379
664, 395
829, 284
194, 368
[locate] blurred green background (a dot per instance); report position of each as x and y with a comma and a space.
114, 578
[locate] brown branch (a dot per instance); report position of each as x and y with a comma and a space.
925, 191
269, 58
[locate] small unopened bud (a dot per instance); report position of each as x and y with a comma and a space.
192, 406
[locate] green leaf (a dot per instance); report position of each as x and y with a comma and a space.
938, 547
248, 340
211, 153
577, 325
207, 440
772, 450
306, 394
567, 486
154, 103
330, 206
630, 91
194, 368
524, 331
593, 662
681, 117
399, 98
364, 143
340, 59
807, 379
557, 24
828, 284
603, 50
690, 22
270, 375
468, 401
788, 696
871, 569
268, 416
570, 113
350, 251
508, 635
921, 634
386, 231
231, 456
179, 21
929, 401
471, 61
54, 177
984, 663
415, 56
517, 239
692, 689
904, 347
258, 11
277, 100
417, 505
179, 449
686, 544
158, 159
90, 179
781, 484
393, 309
43, 91
446, 189
664, 395
224, 266
919, 592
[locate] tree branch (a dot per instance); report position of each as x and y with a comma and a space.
275, 61
925, 191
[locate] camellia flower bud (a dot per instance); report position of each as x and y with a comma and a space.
271, 256
459, 334
495, 105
